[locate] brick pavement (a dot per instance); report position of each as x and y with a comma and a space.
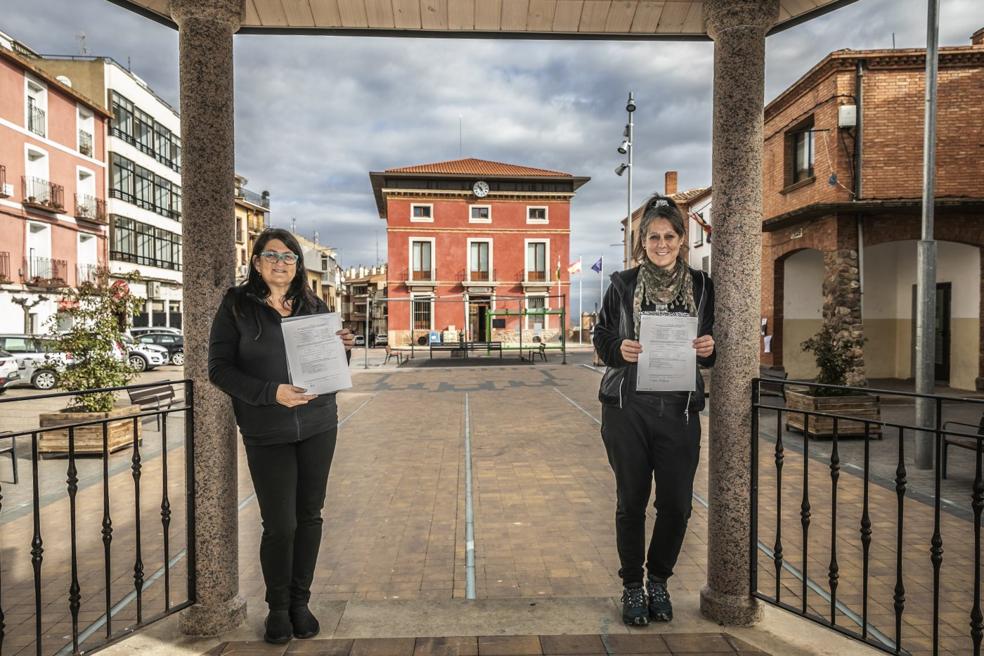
543, 499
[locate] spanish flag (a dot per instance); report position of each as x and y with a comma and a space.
575, 267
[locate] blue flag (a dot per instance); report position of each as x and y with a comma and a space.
597, 266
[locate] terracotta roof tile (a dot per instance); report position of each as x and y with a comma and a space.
472, 166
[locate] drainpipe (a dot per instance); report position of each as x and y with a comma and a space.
858, 150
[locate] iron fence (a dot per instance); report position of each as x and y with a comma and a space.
90, 207
87, 593
41, 193
896, 545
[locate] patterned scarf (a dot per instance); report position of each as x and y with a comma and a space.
662, 288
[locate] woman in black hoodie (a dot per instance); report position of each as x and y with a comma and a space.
289, 435
652, 436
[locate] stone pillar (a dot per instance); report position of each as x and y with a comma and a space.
208, 172
842, 304
738, 28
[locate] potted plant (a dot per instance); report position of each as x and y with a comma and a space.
836, 356
97, 312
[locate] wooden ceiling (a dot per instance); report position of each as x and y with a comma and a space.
550, 19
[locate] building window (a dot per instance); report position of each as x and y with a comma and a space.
698, 232
37, 108
134, 184
479, 261
480, 214
239, 229
705, 264
422, 213
421, 252
536, 215
536, 322
536, 261
141, 131
799, 153
86, 124
422, 314
141, 243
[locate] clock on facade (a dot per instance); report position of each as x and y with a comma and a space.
481, 188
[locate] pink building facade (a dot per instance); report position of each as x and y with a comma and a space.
53, 222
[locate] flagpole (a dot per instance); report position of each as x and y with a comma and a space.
580, 300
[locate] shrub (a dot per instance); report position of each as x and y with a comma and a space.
98, 313
835, 357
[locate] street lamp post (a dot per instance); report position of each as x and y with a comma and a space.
626, 149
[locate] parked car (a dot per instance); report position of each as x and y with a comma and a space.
38, 360
381, 340
144, 357
360, 340
136, 332
8, 370
174, 344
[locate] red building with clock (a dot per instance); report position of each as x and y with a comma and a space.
470, 240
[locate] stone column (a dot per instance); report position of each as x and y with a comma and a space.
842, 304
738, 28
207, 180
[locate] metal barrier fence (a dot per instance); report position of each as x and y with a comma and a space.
111, 600
906, 561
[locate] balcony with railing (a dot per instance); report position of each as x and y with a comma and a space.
35, 118
420, 278
86, 273
478, 278
45, 271
90, 208
535, 279
85, 143
42, 194
253, 198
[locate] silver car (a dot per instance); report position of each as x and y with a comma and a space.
39, 362
144, 357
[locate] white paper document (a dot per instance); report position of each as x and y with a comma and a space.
315, 354
668, 362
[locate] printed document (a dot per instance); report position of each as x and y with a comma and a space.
315, 354
668, 362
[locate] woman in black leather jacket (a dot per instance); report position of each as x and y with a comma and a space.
289, 435
651, 436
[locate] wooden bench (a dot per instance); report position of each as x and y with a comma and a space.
10, 450
461, 349
963, 441
158, 397
488, 347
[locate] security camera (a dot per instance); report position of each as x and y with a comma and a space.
624, 148
631, 106
620, 169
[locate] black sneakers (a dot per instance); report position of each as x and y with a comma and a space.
278, 627
305, 624
660, 608
634, 609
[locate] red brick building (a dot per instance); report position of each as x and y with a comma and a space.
842, 199
469, 238
53, 223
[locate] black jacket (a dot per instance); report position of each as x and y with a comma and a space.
248, 361
615, 324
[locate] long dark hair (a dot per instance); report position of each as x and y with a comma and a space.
659, 207
301, 297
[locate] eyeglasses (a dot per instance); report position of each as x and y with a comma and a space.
273, 257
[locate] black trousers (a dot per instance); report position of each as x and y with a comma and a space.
290, 482
651, 439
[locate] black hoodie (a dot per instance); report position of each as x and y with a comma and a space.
248, 361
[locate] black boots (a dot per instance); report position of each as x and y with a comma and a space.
305, 624
278, 627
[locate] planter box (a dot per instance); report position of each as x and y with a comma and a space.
862, 406
88, 439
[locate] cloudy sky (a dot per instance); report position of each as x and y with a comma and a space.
315, 114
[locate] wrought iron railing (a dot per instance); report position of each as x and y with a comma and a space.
86, 273
46, 271
85, 143
35, 118
90, 207
422, 275
536, 276
38, 192
65, 527
899, 514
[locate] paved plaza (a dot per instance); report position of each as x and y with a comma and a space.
393, 559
